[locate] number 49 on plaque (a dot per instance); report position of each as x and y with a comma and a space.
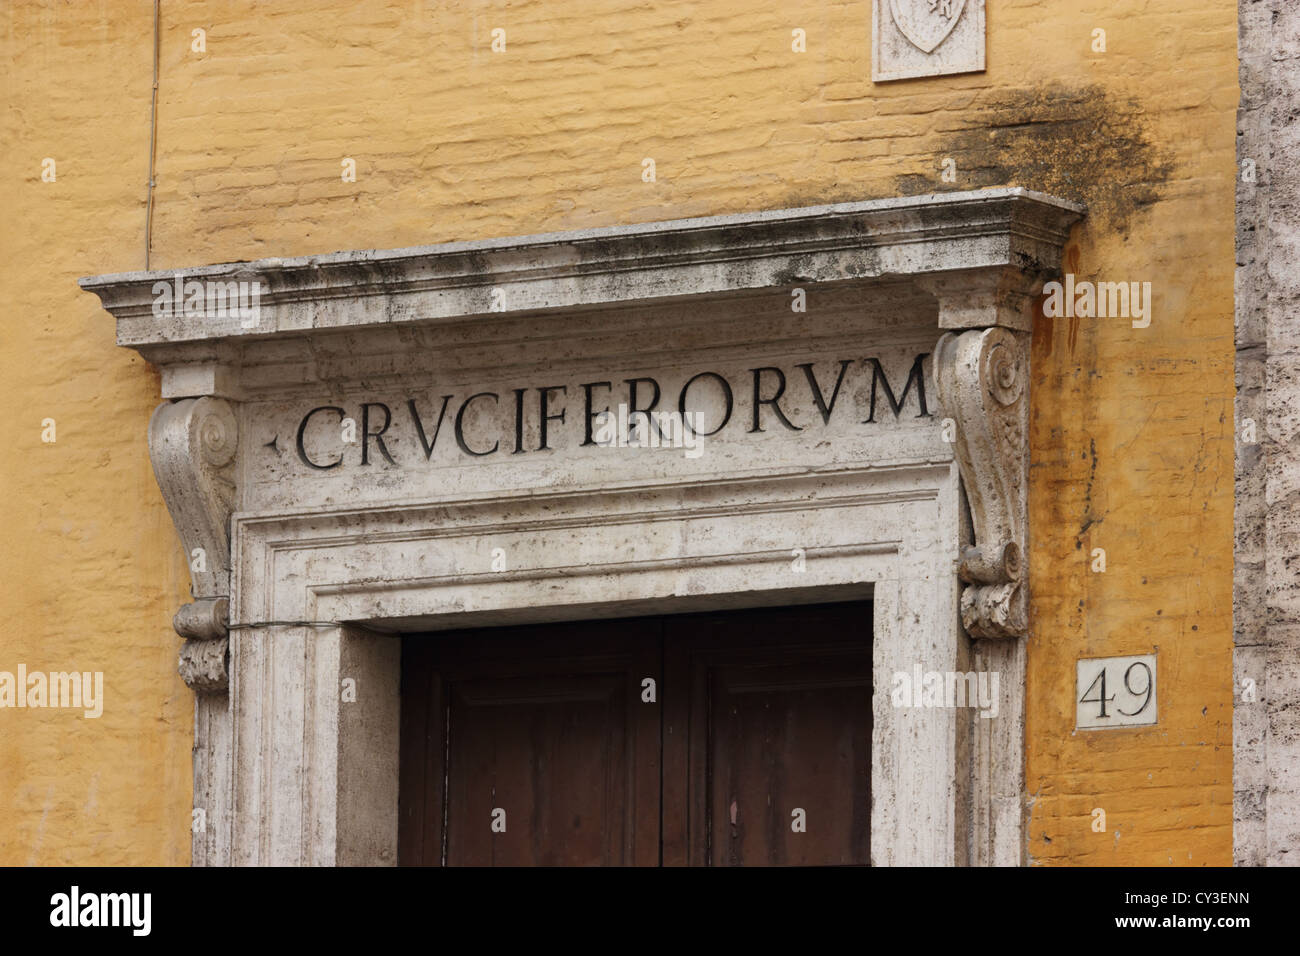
1115, 692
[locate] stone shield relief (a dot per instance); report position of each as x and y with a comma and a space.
918, 38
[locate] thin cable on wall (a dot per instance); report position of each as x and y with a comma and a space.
153, 141
252, 626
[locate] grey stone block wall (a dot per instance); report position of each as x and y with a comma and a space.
1266, 601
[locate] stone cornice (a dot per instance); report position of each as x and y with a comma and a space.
962, 234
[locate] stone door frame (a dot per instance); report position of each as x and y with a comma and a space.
289, 603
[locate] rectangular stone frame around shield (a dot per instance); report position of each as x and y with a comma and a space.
919, 38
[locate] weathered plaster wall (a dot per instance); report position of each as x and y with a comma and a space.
1267, 593
90, 571
1132, 427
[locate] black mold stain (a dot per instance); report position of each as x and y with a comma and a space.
1089, 519
1082, 143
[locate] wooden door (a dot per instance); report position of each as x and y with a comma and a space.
548, 745
530, 747
767, 737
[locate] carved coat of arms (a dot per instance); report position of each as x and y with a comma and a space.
926, 23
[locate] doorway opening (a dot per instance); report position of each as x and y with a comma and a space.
727, 739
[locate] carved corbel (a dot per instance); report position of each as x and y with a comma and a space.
192, 444
981, 371
982, 377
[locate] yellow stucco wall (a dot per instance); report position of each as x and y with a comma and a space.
1132, 432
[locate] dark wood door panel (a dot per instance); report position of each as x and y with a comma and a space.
760, 715
421, 756
539, 729
769, 714
790, 765
546, 757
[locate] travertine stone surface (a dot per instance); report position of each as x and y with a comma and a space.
1266, 605
983, 378
192, 444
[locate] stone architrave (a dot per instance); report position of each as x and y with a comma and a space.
916, 38
465, 497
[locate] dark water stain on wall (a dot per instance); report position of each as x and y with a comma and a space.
1082, 143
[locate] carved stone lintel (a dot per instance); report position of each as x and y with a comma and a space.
192, 445
982, 377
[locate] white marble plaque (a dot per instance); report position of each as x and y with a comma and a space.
1115, 692
912, 38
